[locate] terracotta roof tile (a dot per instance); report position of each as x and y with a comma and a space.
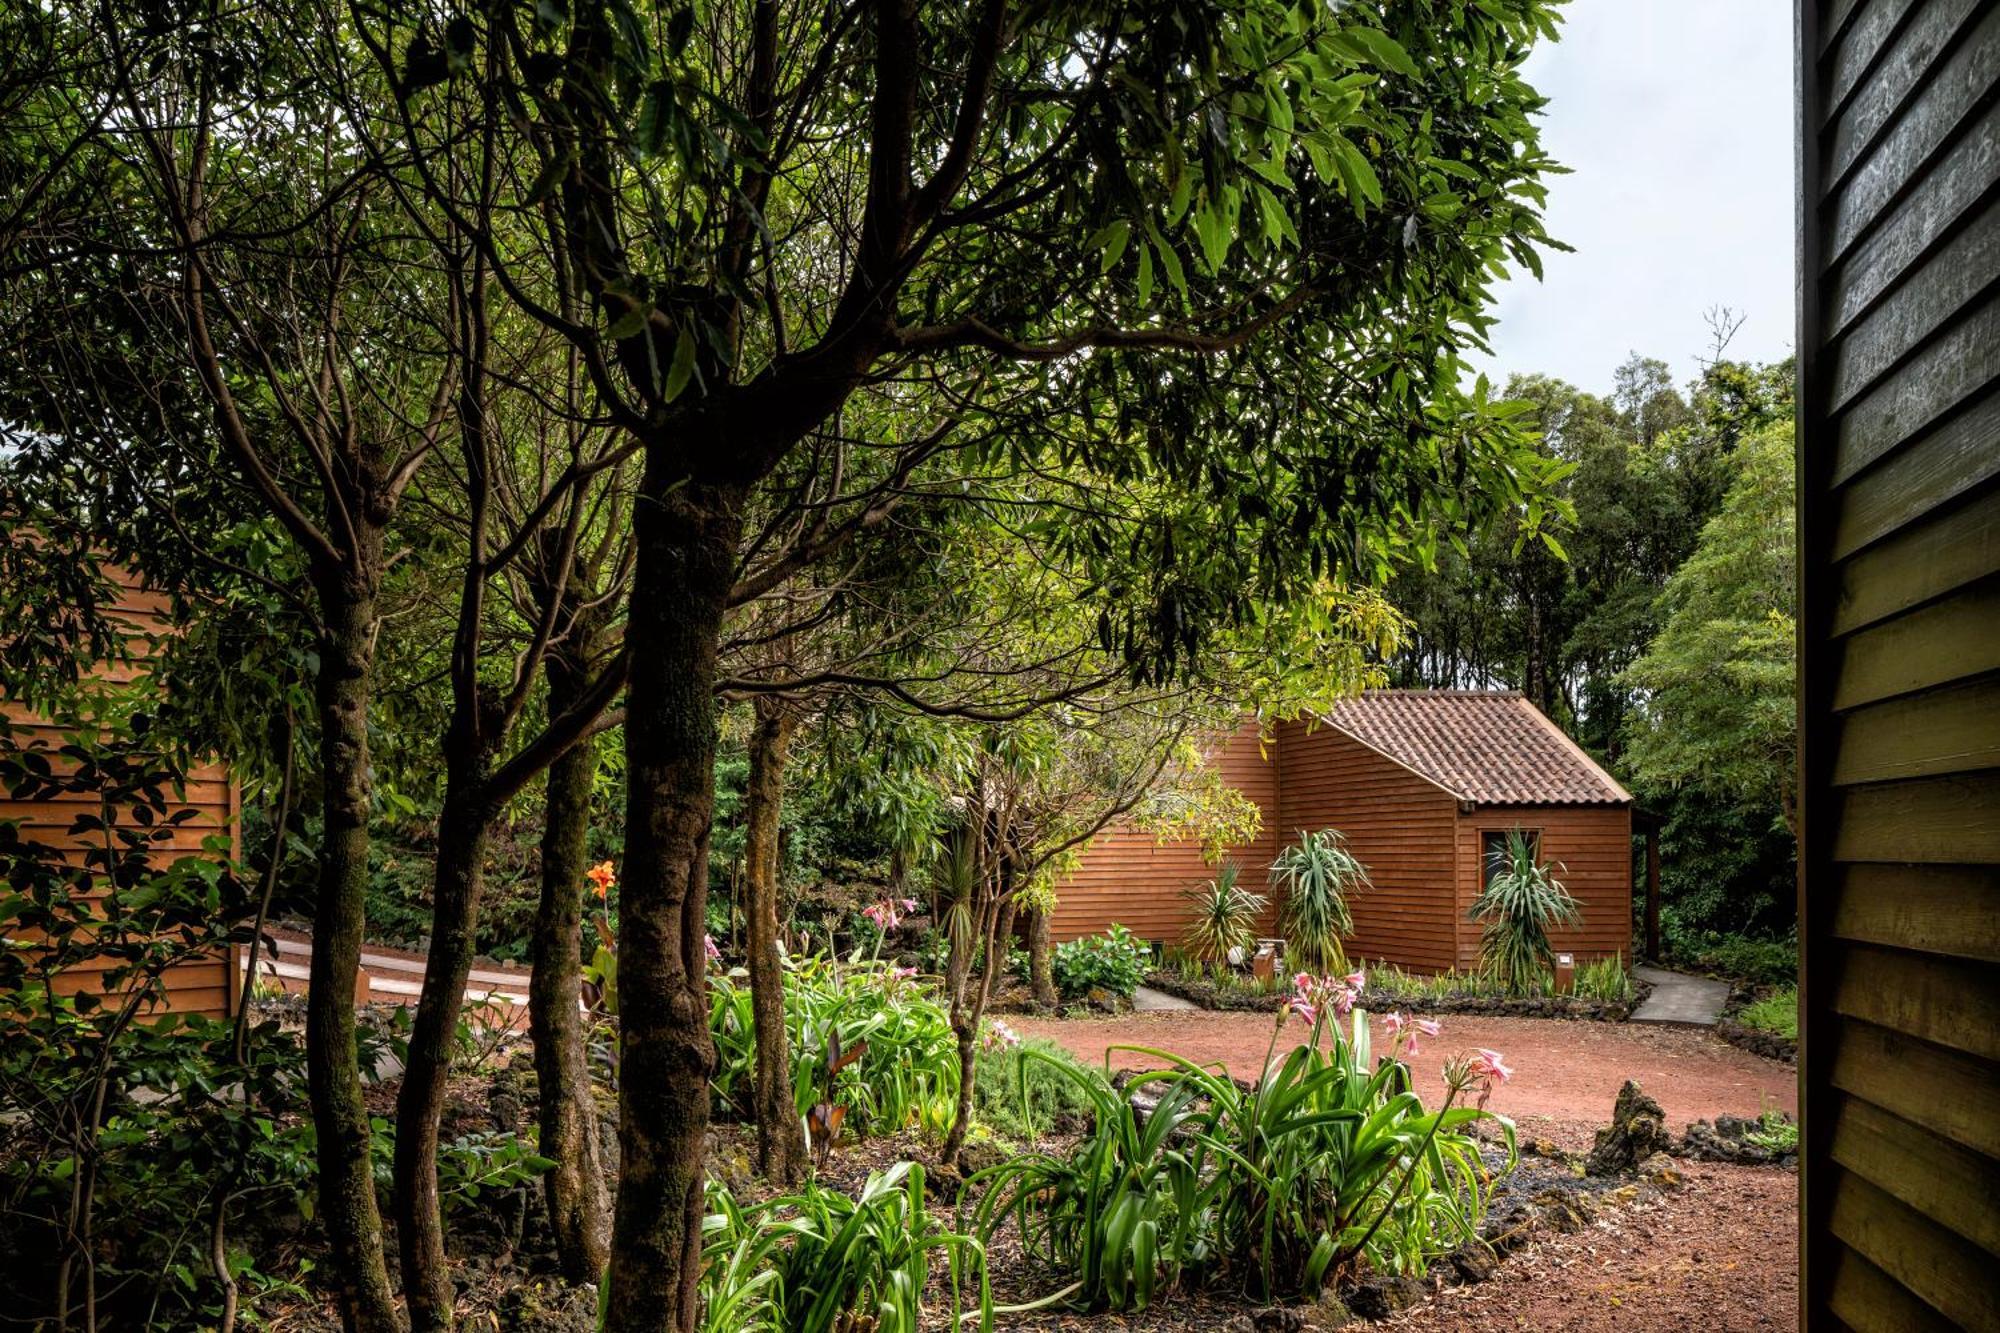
1486, 746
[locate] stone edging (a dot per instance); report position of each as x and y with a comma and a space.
1770, 1045
1544, 1006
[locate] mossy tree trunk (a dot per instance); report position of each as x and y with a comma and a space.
578, 1202
333, 1078
1041, 972
687, 534
781, 1143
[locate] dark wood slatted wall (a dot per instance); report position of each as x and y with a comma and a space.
1899, 470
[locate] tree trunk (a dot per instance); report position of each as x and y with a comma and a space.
686, 536
346, 1175
1041, 975
781, 1142
967, 1016
463, 829
579, 1205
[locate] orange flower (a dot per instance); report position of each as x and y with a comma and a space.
602, 877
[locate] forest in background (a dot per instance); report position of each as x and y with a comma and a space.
1651, 620
1654, 623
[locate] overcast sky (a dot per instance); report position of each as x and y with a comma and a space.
1675, 118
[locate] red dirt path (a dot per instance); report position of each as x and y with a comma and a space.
1566, 1074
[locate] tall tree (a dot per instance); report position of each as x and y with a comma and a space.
1716, 682
1235, 256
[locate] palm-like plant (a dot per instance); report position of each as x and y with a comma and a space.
1314, 877
1222, 917
1523, 898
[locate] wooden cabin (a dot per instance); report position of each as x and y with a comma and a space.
207, 985
1425, 785
1899, 652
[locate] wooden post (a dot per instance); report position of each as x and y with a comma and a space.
1653, 892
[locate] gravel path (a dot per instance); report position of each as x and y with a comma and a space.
1719, 1254
1566, 1074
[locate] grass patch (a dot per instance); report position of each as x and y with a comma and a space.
1606, 979
1777, 1012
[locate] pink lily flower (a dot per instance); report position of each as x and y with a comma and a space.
1430, 1027
1488, 1065
1392, 1023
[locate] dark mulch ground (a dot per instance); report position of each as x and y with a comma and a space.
1719, 1251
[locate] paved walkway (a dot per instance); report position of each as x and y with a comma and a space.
1146, 1000
1679, 998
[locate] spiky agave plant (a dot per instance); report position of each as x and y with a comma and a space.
1222, 916
1522, 900
1313, 879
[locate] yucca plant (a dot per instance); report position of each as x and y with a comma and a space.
1523, 898
1313, 879
1222, 916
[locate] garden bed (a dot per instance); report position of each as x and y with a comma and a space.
1751, 1021
1210, 995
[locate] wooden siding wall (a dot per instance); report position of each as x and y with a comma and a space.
1401, 826
1594, 844
205, 985
1899, 531
1128, 877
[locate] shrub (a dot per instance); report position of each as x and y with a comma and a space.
1777, 1012
1024, 1098
1761, 962
1330, 1160
1313, 879
908, 1069
1222, 916
1775, 1132
819, 1261
1521, 901
1115, 961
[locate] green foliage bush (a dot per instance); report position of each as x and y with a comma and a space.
819, 1261
1115, 961
1777, 1012
908, 1073
1761, 962
1330, 1160
1025, 1097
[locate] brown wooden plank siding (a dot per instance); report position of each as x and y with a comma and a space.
205, 985
1594, 845
1129, 877
1401, 826
1899, 636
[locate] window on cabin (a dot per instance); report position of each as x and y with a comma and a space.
1494, 844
